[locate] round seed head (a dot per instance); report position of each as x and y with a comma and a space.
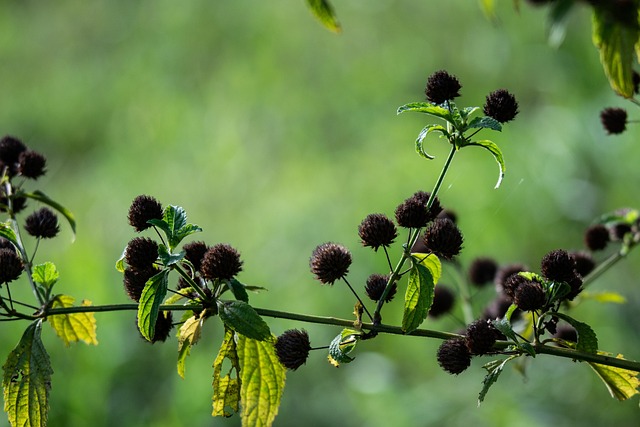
221, 262
558, 266
584, 262
614, 120
292, 348
454, 356
480, 336
501, 105
141, 253
376, 283
413, 213
194, 253
482, 271
596, 237
142, 209
31, 164
330, 262
164, 325
530, 296
443, 238
43, 224
377, 230
441, 87
135, 281
10, 265
443, 300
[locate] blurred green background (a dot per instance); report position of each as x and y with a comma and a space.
277, 135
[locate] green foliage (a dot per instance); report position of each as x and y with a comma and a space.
238, 290
226, 389
242, 318
27, 380
621, 383
262, 379
7, 232
324, 12
343, 344
167, 258
149, 306
174, 225
494, 369
73, 327
617, 45
425, 273
46, 274
493, 148
587, 339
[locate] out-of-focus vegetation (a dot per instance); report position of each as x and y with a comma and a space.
277, 135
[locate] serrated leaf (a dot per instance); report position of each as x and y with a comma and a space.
422, 135
188, 336
497, 154
7, 232
616, 43
27, 380
73, 327
467, 111
494, 369
45, 274
485, 122
587, 339
242, 318
324, 12
43, 198
262, 379
226, 389
418, 298
185, 231
149, 306
167, 258
621, 383
426, 108
238, 290
603, 297
343, 344
504, 325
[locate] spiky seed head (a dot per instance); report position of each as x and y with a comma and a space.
558, 266
142, 209
501, 105
194, 253
11, 265
443, 238
584, 262
377, 230
530, 296
454, 356
141, 253
480, 337
292, 348
376, 283
43, 224
596, 237
221, 262
31, 164
330, 262
441, 87
614, 120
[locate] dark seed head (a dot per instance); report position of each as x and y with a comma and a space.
143, 208
43, 224
443, 238
454, 356
443, 300
221, 262
330, 262
135, 281
614, 120
10, 265
141, 253
481, 336
512, 284
482, 271
292, 348
10, 149
596, 237
376, 283
558, 266
505, 272
448, 214
377, 230
31, 164
164, 325
584, 262
413, 213
194, 253
530, 296
441, 87
501, 105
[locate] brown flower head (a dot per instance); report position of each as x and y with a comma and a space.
143, 208
596, 237
141, 253
530, 296
482, 271
443, 238
42, 224
413, 213
194, 253
443, 300
292, 348
454, 356
376, 283
10, 265
330, 262
31, 164
501, 105
614, 120
480, 337
377, 230
221, 262
441, 87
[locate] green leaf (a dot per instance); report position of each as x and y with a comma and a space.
7, 232
497, 154
238, 290
262, 377
73, 327
43, 198
185, 231
489, 9
152, 295
424, 275
226, 389
27, 380
45, 274
427, 108
168, 258
188, 336
587, 339
494, 369
467, 111
622, 383
421, 136
174, 224
485, 123
242, 318
504, 325
616, 43
343, 344
120, 266
323, 11
178, 295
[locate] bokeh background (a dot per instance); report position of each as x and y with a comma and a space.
276, 135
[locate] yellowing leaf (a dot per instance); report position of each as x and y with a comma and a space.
612, 297
622, 383
188, 336
73, 327
27, 380
323, 11
226, 389
262, 377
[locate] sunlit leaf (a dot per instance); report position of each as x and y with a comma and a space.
427, 108
587, 339
167, 258
423, 277
45, 274
324, 12
603, 297
226, 389
422, 135
188, 336
616, 43
262, 379
497, 154
242, 318
43, 198
485, 122
73, 327
621, 383
7, 232
27, 380
149, 306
